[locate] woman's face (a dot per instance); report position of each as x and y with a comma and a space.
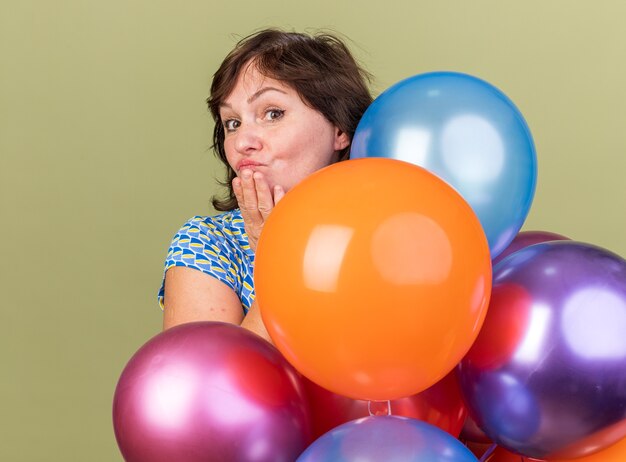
269, 129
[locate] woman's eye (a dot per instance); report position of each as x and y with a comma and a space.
274, 114
231, 125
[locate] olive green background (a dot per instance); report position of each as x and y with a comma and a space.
104, 144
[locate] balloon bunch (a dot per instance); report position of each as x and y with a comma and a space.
546, 377
374, 279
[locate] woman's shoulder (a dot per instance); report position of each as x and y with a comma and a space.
226, 221
223, 227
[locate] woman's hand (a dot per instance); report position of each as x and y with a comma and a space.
256, 201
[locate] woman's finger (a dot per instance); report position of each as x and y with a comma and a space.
238, 191
249, 205
279, 193
264, 195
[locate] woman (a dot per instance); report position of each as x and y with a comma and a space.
285, 105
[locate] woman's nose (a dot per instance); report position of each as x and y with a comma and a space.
248, 139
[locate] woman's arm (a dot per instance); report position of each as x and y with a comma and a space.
191, 295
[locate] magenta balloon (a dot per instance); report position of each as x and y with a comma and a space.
526, 238
209, 391
546, 377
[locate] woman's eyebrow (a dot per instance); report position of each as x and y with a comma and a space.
263, 90
256, 95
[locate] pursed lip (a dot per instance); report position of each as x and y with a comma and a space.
247, 164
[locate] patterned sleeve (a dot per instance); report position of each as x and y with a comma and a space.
201, 246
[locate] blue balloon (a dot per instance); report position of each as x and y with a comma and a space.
466, 131
389, 439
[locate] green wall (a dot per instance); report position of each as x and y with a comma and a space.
104, 145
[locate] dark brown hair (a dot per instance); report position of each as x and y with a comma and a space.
319, 67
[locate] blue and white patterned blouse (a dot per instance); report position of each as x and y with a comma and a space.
217, 246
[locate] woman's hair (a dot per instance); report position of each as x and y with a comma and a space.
319, 67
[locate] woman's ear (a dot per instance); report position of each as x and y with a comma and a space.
342, 140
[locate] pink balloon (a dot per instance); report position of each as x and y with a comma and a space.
526, 238
210, 391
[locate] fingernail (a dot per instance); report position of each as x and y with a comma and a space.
246, 174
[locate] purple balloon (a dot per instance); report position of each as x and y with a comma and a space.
388, 439
553, 384
526, 238
210, 391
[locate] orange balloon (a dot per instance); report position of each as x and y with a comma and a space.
373, 278
593, 447
613, 453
